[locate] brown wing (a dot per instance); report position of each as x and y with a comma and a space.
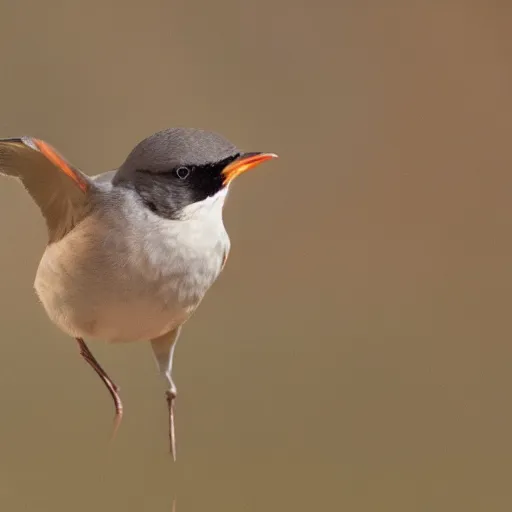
59, 189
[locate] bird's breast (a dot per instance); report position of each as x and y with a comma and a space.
123, 277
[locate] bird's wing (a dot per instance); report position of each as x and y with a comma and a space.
59, 189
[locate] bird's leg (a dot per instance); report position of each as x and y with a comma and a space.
113, 389
171, 395
163, 349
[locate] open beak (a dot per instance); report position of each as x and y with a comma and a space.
245, 162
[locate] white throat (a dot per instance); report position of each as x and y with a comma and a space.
210, 208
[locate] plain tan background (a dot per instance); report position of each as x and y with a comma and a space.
356, 353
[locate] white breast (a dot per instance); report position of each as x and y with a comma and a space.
126, 274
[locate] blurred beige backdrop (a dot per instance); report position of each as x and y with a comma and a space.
357, 352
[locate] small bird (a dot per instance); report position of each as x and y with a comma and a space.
131, 252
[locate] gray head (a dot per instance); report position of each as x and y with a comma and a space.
177, 167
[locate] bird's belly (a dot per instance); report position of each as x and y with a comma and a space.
122, 293
123, 320
111, 310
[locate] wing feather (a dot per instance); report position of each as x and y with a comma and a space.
58, 188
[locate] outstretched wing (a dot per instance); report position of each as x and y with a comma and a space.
59, 189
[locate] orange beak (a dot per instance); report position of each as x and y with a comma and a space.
246, 162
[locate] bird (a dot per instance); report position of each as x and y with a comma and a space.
131, 252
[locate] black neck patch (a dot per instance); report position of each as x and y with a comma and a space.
167, 192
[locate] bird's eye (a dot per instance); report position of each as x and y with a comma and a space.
182, 172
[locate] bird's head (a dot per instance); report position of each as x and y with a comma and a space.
182, 170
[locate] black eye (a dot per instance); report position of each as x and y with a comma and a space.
182, 172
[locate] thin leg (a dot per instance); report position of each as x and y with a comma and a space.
113, 389
172, 433
163, 349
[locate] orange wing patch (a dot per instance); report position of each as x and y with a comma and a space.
59, 161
